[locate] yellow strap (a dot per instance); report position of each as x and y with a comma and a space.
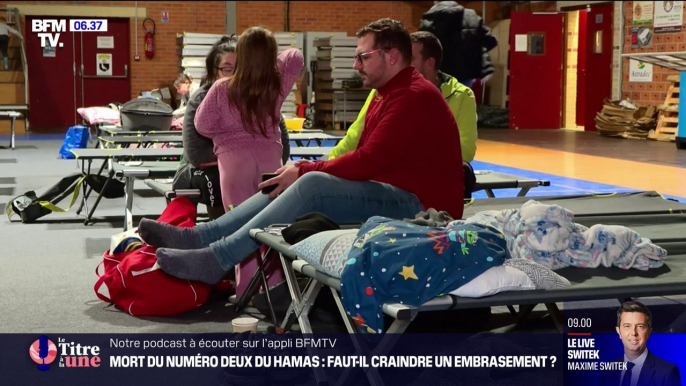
54, 208
471, 201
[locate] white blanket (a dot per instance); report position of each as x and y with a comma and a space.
548, 235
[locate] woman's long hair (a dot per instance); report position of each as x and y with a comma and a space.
225, 45
255, 86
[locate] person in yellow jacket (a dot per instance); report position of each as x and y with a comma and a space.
427, 54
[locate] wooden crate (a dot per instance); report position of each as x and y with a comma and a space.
668, 117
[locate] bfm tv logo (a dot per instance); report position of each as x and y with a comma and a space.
43, 351
45, 26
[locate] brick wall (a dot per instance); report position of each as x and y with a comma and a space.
649, 93
209, 17
197, 16
146, 74
343, 16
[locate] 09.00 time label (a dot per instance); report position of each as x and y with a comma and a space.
88, 25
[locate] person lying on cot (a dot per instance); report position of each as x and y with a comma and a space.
427, 55
185, 87
396, 170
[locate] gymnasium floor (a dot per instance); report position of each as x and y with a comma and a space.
579, 162
574, 162
47, 276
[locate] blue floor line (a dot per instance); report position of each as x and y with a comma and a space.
32, 137
558, 185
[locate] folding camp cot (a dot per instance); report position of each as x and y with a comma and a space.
587, 284
165, 188
488, 180
593, 204
144, 171
141, 141
110, 157
300, 138
103, 131
12, 115
667, 229
483, 180
113, 131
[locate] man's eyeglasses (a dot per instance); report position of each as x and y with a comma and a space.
226, 70
362, 56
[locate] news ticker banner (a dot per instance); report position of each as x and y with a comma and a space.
227, 359
233, 359
49, 30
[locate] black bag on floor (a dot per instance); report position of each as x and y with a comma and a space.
33, 205
114, 188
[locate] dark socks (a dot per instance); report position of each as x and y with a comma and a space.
198, 264
163, 235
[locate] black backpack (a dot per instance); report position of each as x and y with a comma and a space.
33, 205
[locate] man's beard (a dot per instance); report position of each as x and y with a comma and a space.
372, 82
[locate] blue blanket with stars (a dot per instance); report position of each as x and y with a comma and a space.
394, 261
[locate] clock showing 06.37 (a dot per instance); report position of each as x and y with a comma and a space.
88, 25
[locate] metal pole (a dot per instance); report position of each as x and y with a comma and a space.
621, 50
231, 20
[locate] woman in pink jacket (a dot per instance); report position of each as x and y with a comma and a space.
241, 115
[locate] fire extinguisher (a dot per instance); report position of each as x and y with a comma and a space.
149, 39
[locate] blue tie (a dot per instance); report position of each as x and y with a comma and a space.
627, 374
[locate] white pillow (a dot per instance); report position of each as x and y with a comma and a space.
497, 279
95, 115
327, 251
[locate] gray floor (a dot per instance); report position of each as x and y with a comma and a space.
47, 269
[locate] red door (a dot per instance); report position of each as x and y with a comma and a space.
598, 62
65, 79
536, 70
104, 65
52, 79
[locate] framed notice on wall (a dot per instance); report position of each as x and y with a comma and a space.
668, 16
103, 65
641, 37
640, 71
643, 12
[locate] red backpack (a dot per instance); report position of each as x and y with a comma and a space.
138, 286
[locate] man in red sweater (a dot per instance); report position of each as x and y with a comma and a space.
404, 163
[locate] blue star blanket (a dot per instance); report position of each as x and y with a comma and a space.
394, 261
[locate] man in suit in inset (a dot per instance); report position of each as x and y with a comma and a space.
634, 326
